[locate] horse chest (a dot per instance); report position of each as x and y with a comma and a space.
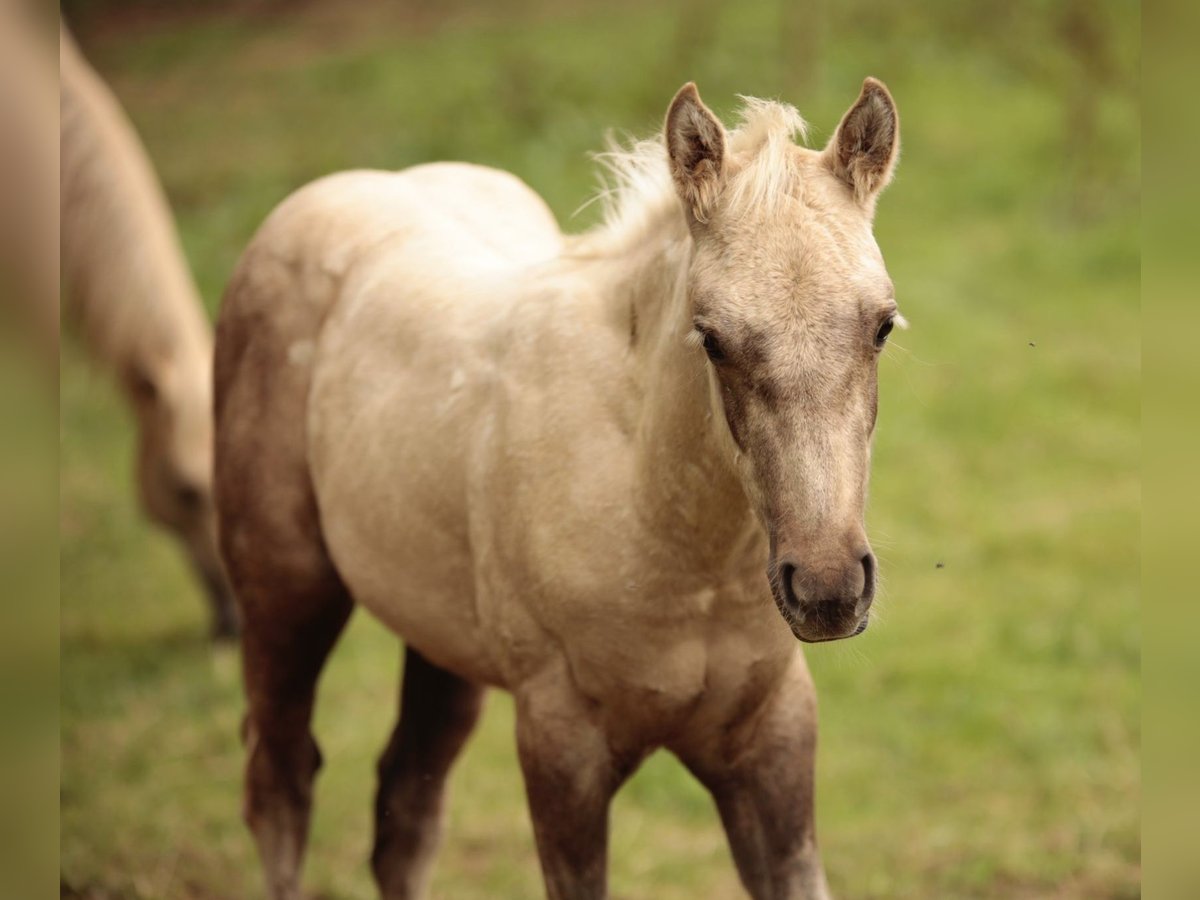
657, 665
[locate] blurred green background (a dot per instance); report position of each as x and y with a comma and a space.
983, 739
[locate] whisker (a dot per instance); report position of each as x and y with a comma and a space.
893, 343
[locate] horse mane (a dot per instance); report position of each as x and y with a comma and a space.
637, 195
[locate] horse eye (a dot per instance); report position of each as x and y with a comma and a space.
884, 330
712, 347
189, 498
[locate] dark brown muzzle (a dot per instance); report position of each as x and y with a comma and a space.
828, 601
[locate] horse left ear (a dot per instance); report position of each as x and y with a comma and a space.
696, 151
863, 152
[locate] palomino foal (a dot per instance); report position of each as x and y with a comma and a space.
591, 470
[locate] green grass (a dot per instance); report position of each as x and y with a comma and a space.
982, 739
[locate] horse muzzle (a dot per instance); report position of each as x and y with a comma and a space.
828, 602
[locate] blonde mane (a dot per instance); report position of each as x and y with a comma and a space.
637, 195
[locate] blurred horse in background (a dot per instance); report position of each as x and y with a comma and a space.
616, 474
127, 282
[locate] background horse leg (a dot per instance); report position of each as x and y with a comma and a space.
571, 773
438, 711
286, 640
761, 774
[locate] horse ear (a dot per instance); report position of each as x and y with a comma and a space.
863, 152
696, 152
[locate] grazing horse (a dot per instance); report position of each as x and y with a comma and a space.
127, 281
617, 474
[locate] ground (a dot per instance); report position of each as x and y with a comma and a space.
982, 739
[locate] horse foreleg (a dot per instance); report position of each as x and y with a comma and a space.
438, 711
760, 772
571, 773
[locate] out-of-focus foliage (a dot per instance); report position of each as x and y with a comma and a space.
1171, 384
982, 740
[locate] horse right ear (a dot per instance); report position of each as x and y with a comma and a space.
863, 151
696, 152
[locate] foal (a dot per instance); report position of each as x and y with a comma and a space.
594, 471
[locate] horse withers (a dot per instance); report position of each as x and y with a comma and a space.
617, 474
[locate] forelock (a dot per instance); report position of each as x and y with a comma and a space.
765, 156
636, 187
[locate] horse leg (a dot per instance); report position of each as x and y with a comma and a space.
761, 773
283, 653
571, 772
293, 603
438, 711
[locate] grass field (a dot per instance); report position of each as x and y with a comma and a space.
982, 741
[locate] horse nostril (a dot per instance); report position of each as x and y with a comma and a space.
787, 573
868, 565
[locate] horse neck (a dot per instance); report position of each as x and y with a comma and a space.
125, 272
687, 483
144, 318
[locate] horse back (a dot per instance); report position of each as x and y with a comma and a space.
292, 319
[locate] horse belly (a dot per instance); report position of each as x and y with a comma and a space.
390, 419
